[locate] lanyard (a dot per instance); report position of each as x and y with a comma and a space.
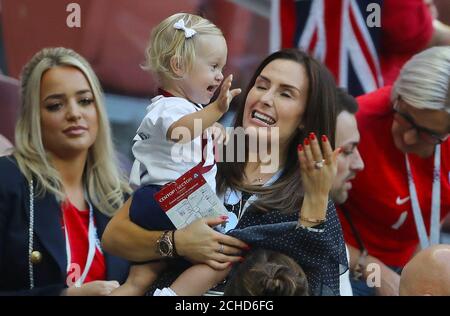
93, 244
426, 241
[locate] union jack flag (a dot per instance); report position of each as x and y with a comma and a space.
336, 33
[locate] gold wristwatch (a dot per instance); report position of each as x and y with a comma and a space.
165, 245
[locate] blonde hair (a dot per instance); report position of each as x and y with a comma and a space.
166, 43
424, 81
101, 177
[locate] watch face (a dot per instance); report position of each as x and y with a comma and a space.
164, 247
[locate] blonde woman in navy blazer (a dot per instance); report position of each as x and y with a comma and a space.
64, 154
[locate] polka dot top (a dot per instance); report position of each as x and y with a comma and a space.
321, 253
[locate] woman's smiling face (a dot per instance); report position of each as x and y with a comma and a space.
277, 99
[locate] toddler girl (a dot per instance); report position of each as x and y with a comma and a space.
187, 53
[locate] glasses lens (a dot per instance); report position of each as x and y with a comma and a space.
430, 139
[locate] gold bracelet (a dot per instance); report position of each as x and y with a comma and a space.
312, 220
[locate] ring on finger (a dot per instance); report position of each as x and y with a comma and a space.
220, 248
319, 164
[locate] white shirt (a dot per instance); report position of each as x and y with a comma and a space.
344, 279
159, 160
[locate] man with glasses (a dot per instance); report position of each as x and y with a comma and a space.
424, 133
398, 201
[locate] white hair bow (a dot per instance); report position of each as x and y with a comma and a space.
188, 32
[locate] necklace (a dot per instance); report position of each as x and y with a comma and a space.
259, 180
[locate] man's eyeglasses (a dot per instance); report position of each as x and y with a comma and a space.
424, 133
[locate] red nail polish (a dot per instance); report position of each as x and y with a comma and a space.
247, 248
324, 138
300, 147
306, 141
312, 136
339, 149
241, 259
224, 217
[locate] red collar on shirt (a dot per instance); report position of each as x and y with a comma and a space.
165, 93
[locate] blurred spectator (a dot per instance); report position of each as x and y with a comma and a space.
407, 28
428, 273
349, 163
362, 57
404, 131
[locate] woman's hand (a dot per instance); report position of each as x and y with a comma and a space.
198, 242
94, 288
318, 168
224, 99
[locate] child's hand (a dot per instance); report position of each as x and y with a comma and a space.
225, 96
219, 133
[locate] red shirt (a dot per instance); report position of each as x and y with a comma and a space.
378, 203
406, 29
77, 224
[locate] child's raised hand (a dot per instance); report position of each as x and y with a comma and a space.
226, 95
219, 133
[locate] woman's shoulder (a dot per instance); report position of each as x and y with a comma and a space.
8, 166
10, 174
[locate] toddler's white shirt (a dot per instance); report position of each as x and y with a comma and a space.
159, 160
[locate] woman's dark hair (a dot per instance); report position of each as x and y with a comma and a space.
267, 273
286, 193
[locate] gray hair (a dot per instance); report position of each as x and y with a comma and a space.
424, 81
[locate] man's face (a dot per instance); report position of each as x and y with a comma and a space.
417, 131
349, 161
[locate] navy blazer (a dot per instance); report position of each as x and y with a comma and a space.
50, 274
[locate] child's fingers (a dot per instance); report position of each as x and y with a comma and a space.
219, 137
227, 137
226, 85
227, 81
214, 221
234, 93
